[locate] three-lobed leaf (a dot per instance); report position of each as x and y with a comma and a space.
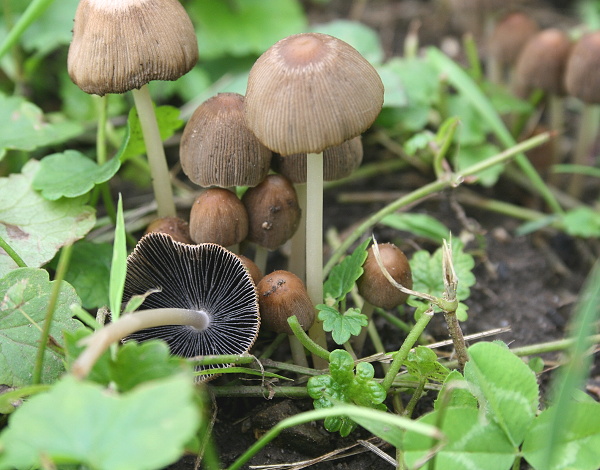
342, 325
343, 276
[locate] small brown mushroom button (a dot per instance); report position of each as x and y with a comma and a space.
176, 227
217, 149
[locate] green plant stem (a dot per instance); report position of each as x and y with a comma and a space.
424, 191
416, 396
61, 269
34, 10
458, 339
273, 345
588, 129
101, 156
367, 171
161, 181
552, 346
12, 253
259, 391
314, 348
358, 342
298, 351
407, 345
129, 323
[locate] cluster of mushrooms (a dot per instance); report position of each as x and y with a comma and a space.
309, 97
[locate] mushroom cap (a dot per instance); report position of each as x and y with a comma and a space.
339, 161
582, 75
178, 228
218, 216
281, 295
510, 36
542, 62
197, 277
374, 287
273, 212
119, 45
218, 149
311, 91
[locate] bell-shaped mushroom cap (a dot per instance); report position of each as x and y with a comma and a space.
510, 36
311, 91
582, 75
218, 216
375, 287
218, 149
273, 212
197, 277
178, 228
281, 295
541, 63
119, 45
339, 161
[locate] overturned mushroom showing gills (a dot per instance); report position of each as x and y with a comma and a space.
206, 279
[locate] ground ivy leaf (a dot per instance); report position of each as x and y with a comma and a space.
472, 442
506, 388
168, 122
81, 422
343, 276
580, 444
342, 326
34, 227
22, 311
71, 174
25, 128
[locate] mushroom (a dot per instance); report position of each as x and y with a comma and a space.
375, 288
218, 216
178, 228
122, 45
217, 149
200, 299
281, 295
582, 80
306, 93
273, 215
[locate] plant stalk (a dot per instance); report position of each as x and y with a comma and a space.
12, 253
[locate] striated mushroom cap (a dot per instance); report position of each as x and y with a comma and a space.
311, 91
582, 75
542, 62
197, 277
339, 161
218, 149
119, 45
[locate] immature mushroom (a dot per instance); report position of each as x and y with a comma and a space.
122, 45
217, 149
281, 295
218, 216
178, 228
582, 80
306, 93
200, 300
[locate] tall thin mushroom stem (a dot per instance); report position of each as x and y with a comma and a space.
130, 323
161, 181
314, 245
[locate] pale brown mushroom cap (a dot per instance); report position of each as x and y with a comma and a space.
510, 36
311, 91
582, 75
339, 161
218, 149
176, 227
542, 62
120, 45
218, 216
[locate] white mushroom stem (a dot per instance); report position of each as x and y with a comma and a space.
161, 181
314, 245
129, 323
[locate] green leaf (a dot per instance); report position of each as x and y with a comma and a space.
52, 30
506, 388
421, 225
342, 326
118, 267
34, 227
71, 174
168, 123
472, 130
24, 126
423, 364
471, 442
26, 293
455, 393
100, 372
363, 38
579, 444
427, 271
343, 276
239, 27
471, 154
81, 422
582, 221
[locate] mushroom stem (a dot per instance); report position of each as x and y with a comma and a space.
314, 245
99, 342
588, 125
161, 181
